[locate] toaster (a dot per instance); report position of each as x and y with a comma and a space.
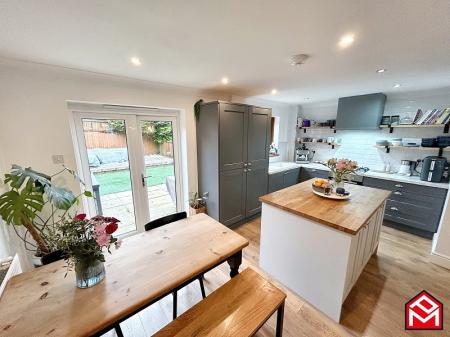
412, 142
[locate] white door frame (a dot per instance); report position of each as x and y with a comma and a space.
132, 115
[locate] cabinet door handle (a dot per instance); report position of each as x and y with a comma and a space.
399, 185
394, 209
245, 164
249, 170
245, 170
398, 193
249, 164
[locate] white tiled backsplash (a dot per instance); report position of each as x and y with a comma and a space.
359, 146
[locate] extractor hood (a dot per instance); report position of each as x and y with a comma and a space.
362, 112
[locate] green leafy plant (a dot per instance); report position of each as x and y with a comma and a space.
159, 131
30, 196
197, 109
196, 201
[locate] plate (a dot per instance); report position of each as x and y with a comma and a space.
333, 196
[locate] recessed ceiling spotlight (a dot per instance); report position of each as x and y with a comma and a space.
136, 61
274, 91
299, 59
346, 40
397, 85
225, 80
381, 70
307, 98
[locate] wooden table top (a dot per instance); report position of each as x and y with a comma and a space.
44, 303
247, 293
345, 215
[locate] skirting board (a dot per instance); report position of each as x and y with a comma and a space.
440, 260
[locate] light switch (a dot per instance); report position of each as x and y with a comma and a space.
58, 159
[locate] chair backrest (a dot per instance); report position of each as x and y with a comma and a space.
165, 220
52, 257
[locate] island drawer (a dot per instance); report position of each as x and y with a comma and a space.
400, 186
423, 200
423, 218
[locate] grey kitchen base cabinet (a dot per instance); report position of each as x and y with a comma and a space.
233, 158
412, 208
280, 180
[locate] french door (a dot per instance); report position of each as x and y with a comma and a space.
131, 163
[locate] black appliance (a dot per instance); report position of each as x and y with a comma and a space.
434, 169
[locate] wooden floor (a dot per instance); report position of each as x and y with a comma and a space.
373, 308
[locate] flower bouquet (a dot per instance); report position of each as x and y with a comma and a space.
82, 241
341, 167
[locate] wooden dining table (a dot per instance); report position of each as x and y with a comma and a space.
147, 267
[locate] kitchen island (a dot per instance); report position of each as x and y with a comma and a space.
318, 247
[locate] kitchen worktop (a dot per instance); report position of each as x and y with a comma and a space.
345, 215
283, 166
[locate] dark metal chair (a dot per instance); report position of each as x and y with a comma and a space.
164, 221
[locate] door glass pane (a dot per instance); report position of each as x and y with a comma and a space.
159, 167
107, 150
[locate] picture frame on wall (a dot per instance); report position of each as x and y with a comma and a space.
385, 120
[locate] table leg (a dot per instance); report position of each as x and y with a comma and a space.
280, 319
234, 262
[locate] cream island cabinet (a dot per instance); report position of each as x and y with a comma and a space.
318, 247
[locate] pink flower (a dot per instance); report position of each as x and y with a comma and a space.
100, 229
80, 217
103, 240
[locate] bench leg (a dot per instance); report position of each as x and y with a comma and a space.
280, 319
234, 262
174, 309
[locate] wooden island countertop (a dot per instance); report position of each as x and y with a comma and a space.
345, 215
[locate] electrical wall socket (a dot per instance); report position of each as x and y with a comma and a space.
58, 159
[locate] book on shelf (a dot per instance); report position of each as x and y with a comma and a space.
443, 119
418, 116
424, 117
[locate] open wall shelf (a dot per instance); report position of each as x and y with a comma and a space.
333, 145
416, 148
392, 127
317, 128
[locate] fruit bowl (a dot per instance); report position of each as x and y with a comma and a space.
318, 189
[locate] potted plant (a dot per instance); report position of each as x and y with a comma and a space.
339, 168
82, 241
34, 202
197, 204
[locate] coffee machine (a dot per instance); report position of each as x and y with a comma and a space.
303, 155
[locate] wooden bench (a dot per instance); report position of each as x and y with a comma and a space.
238, 308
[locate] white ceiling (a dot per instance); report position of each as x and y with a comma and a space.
195, 43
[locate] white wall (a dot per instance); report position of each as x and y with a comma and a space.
34, 122
288, 117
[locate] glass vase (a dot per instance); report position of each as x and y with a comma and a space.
338, 181
89, 273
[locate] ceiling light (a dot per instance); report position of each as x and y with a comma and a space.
382, 70
274, 91
346, 41
397, 85
225, 80
136, 61
307, 98
299, 59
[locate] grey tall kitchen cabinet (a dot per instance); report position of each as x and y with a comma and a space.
233, 158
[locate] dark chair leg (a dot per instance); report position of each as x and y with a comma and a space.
280, 318
174, 312
202, 286
119, 332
